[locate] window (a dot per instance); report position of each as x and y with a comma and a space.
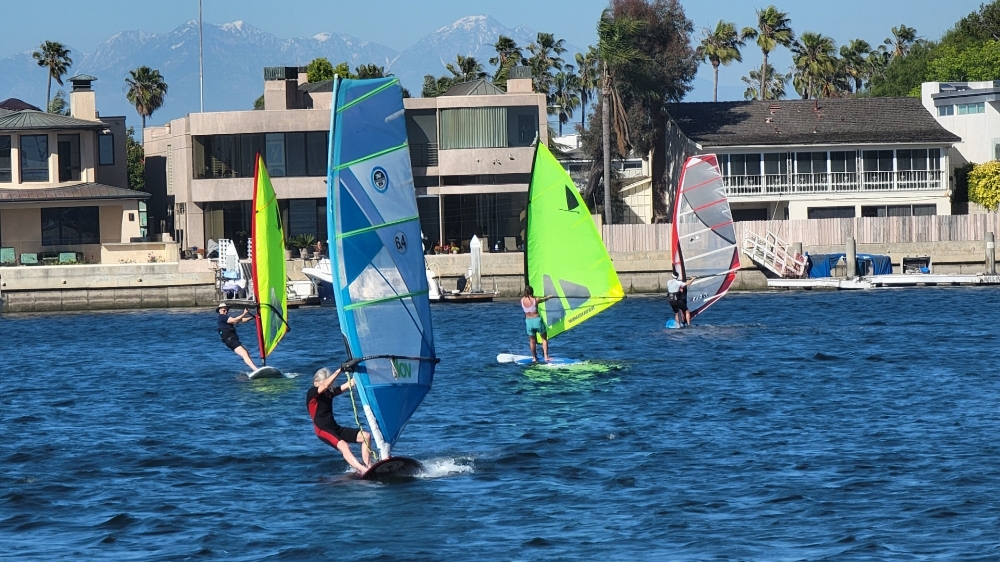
740, 215
946, 110
5, 165
69, 157
106, 149
898, 210
474, 127
295, 154
844, 162
971, 108
274, 144
250, 146
831, 212
877, 160
907, 160
34, 158
316, 153
810, 162
63, 226
741, 164
776, 164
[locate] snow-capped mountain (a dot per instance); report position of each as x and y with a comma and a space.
235, 55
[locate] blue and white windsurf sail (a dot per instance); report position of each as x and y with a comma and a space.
379, 280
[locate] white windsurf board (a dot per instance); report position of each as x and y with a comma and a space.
526, 361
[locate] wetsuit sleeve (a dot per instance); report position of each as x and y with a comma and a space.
336, 391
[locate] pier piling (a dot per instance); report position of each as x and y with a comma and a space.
991, 266
852, 258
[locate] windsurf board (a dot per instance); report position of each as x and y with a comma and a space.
393, 469
266, 372
526, 361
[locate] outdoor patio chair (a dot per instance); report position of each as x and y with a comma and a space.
29, 259
67, 257
510, 243
7, 256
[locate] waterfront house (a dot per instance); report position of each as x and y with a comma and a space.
470, 149
827, 158
970, 110
63, 182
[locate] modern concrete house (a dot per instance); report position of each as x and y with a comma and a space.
471, 152
970, 110
828, 158
64, 182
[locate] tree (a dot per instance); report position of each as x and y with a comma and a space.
136, 160
984, 185
977, 62
55, 57
545, 57
774, 86
720, 47
772, 30
815, 61
59, 104
145, 89
853, 57
508, 56
259, 102
465, 69
434, 87
902, 38
370, 71
565, 96
588, 80
319, 69
343, 70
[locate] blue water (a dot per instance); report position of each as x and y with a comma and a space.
783, 426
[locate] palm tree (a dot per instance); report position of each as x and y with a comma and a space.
815, 59
545, 53
465, 69
773, 88
370, 71
772, 30
564, 95
55, 57
720, 47
902, 38
877, 61
615, 49
508, 55
587, 80
145, 89
853, 56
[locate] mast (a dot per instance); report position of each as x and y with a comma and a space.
201, 62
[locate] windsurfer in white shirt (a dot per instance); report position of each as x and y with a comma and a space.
677, 294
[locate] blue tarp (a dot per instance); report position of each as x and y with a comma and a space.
821, 265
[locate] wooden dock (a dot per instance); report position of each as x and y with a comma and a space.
883, 281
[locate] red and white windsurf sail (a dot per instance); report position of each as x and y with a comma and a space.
704, 237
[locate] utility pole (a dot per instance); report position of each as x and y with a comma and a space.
201, 62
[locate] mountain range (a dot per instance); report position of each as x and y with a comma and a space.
235, 55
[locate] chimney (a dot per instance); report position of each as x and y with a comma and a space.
281, 87
303, 76
82, 102
519, 80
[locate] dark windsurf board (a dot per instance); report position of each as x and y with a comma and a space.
393, 468
266, 372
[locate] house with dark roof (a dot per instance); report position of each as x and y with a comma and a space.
827, 158
471, 151
63, 181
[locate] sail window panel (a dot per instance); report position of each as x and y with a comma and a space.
274, 146
474, 127
316, 153
295, 155
390, 328
6, 169
34, 158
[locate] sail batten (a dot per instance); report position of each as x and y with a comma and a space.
565, 256
378, 270
704, 235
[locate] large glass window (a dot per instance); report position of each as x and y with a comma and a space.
285, 154
5, 165
316, 153
474, 127
106, 149
831, 212
275, 158
877, 160
62, 226
69, 157
971, 108
945, 110
250, 146
493, 216
34, 158
229, 219
295, 154
776, 163
741, 164
810, 162
844, 162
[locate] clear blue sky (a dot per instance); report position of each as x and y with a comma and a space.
400, 23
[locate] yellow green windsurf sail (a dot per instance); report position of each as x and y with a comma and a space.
268, 259
564, 253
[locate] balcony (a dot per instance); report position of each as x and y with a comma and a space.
835, 182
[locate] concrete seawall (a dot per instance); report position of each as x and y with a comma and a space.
192, 282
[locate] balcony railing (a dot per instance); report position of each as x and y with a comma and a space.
834, 182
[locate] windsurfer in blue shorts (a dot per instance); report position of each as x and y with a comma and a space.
533, 322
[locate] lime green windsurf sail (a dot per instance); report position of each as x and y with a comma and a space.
564, 254
268, 259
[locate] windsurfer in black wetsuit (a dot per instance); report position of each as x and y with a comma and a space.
319, 402
227, 331
677, 295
